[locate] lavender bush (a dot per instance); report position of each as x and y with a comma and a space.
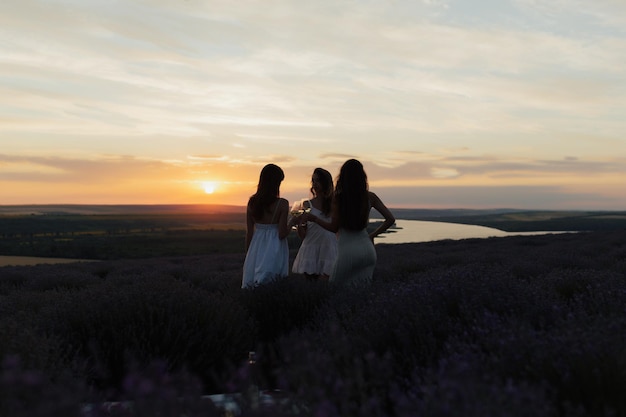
516, 326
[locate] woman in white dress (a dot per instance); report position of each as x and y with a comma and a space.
356, 258
318, 251
267, 252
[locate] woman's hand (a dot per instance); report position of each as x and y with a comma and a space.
293, 220
298, 220
308, 217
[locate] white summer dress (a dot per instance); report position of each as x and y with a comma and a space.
318, 251
267, 258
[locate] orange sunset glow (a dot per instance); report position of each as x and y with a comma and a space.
516, 105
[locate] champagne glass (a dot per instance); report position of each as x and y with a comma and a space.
296, 210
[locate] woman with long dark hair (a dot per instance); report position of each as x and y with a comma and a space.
352, 203
267, 252
318, 251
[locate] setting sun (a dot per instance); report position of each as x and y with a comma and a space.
209, 187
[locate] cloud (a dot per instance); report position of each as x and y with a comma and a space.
514, 87
308, 79
485, 168
519, 197
586, 13
428, 183
337, 156
108, 169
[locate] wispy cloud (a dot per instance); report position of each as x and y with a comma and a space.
515, 87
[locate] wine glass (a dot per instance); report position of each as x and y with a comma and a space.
298, 209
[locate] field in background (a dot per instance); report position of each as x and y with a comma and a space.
93, 209
105, 232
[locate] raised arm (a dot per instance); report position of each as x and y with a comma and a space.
333, 225
377, 203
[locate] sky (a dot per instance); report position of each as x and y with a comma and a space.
447, 103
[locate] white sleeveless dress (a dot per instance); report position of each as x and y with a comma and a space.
267, 258
318, 251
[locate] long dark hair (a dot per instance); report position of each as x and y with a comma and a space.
326, 184
267, 191
352, 197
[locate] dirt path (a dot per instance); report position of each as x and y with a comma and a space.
32, 260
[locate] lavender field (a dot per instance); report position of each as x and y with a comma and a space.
514, 326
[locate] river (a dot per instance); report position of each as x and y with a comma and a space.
414, 231
404, 231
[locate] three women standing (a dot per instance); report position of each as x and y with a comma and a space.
345, 213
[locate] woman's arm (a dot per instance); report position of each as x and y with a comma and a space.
333, 225
284, 227
377, 203
249, 227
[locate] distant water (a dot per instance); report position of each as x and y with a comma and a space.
414, 231
404, 231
